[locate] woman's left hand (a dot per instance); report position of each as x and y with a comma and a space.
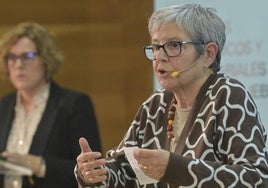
32, 162
152, 162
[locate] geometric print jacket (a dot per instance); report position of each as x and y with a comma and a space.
222, 144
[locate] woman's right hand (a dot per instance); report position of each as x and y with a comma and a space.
89, 164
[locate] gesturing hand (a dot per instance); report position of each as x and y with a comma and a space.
152, 162
89, 164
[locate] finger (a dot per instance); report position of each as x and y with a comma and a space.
95, 179
84, 145
96, 175
17, 158
143, 153
4, 154
95, 172
12, 157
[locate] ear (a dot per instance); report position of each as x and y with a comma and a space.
211, 51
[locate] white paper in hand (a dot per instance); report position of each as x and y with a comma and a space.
142, 177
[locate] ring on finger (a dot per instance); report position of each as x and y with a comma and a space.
145, 169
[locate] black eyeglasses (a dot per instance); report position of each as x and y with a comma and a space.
24, 57
171, 48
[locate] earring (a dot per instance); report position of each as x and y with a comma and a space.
210, 71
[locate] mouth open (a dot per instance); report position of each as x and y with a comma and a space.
163, 73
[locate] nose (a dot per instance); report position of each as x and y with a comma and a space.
18, 61
161, 55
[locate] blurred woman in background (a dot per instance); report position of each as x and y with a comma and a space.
41, 122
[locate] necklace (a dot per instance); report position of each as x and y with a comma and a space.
171, 116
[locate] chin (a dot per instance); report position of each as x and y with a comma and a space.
167, 86
21, 86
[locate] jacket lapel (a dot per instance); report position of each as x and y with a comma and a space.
6, 116
189, 125
41, 136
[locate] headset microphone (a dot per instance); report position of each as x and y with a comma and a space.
175, 74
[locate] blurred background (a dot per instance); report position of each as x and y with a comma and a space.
102, 42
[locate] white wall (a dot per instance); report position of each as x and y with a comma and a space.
246, 50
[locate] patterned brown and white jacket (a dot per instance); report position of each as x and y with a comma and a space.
221, 145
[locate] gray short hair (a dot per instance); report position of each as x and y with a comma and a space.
202, 24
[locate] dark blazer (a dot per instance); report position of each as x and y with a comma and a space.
68, 116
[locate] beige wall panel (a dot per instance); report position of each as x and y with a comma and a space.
102, 41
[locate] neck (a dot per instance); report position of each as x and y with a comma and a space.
185, 102
185, 97
27, 97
